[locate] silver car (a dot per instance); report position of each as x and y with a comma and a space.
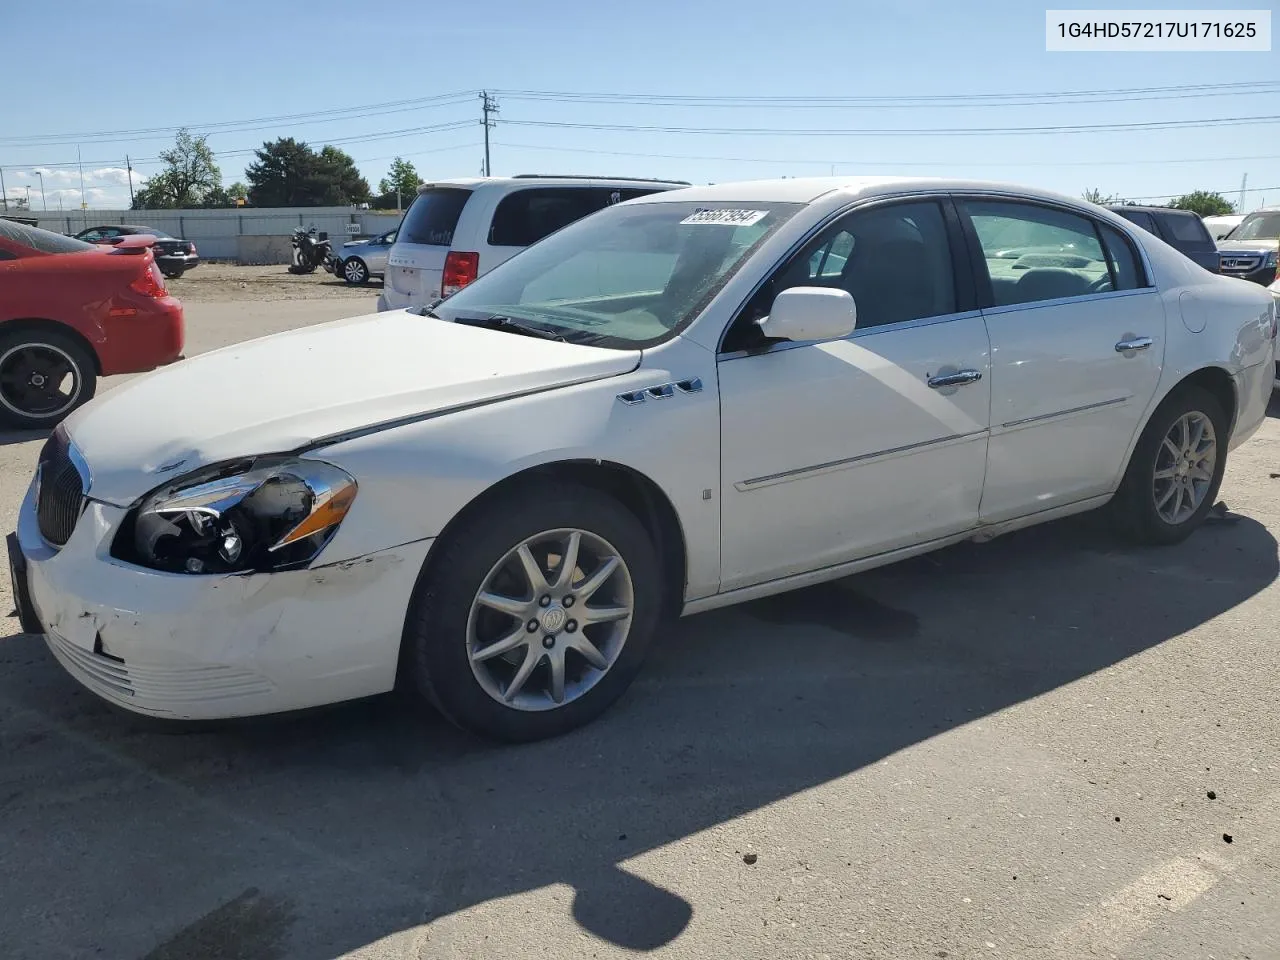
358, 260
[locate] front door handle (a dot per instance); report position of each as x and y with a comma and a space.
957, 379
1134, 343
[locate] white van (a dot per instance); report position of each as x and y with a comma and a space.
456, 230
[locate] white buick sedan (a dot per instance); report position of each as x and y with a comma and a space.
684, 401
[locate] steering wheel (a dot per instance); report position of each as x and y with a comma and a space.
1102, 284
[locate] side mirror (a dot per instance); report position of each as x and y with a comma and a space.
811, 313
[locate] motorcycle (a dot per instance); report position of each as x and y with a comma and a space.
310, 250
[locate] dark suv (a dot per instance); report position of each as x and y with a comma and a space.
1181, 229
1250, 250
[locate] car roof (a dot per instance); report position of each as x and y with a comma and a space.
530, 180
1120, 208
809, 189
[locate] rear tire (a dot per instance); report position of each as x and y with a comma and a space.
1176, 469
174, 274
45, 374
511, 695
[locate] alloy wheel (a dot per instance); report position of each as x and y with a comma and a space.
1185, 464
38, 380
550, 619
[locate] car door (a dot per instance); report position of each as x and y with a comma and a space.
840, 450
1077, 342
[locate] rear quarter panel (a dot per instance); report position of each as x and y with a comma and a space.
1214, 321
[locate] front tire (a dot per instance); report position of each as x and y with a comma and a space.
44, 375
354, 271
1174, 475
535, 614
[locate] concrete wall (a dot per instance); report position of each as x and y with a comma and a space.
217, 234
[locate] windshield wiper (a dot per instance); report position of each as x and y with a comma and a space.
499, 322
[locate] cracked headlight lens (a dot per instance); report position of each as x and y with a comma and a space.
262, 514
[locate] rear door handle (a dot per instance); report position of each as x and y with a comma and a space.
1134, 343
957, 379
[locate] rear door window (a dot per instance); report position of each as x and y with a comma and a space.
433, 216
1186, 228
1141, 218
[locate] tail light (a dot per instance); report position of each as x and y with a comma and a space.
191, 249
150, 283
460, 268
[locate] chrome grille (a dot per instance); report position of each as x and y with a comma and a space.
60, 496
1238, 263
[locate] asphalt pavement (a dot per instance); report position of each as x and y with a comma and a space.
1046, 746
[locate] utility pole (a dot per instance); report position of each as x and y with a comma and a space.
44, 202
489, 106
4, 194
129, 167
1243, 181
84, 204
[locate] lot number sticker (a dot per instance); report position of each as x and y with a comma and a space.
733, 218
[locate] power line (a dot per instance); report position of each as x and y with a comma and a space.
336, 141
904, 132
226, 126
845, 161
1120, 95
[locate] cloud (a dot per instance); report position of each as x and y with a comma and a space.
115, 175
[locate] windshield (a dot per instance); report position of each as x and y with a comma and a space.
46, 241
1257, 227
627, 277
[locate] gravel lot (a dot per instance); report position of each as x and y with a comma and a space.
222, 282
999, 750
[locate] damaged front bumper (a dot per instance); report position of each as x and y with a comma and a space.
204, 647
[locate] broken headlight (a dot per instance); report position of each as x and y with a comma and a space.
268, 513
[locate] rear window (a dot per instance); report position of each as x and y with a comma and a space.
526, 216
433, 216
46, 241
1188, 228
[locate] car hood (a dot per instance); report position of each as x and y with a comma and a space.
289, 390
1265, 245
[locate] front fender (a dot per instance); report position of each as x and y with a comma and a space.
413, 479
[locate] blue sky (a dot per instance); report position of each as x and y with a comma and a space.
103, 67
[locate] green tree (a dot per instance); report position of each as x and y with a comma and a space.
403, 177
1094, 195
238, 191
1203, 202
189, 177
288, 173
279, 177
337, 179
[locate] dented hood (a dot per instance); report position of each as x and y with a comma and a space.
286, 391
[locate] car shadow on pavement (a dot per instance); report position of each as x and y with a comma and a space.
314, 835
8, 437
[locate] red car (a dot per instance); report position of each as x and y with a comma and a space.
71, 312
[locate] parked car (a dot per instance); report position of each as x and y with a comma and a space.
1181, 229
173, 256
358, 260
72, 311
1250, 250
457, 230
1220, 226
685, 401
